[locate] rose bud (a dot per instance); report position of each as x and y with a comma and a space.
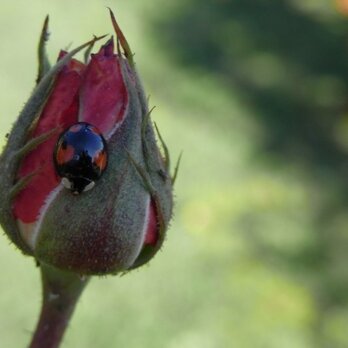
84, 185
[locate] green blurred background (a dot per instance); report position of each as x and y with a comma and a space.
256, 94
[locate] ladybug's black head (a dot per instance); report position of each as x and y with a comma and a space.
78, 185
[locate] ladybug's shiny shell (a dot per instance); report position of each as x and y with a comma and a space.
80, 157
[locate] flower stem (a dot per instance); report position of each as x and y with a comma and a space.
61, 291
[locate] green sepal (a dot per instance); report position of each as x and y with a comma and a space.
88, 52
176, 169
145, 121
122, 40
44, 64
143, 175
33, 143
21, 184
156, 174
165, 149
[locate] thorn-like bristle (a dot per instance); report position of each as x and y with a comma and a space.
165, 149
176, 170
142, 173
32, 144
126, 48
21, 184
145, 121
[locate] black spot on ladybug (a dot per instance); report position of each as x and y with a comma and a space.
80, 157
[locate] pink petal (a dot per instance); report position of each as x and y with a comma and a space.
60, 111
103, 95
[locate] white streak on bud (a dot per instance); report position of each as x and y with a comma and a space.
49, 199
144, 229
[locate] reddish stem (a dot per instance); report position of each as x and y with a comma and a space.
61, 291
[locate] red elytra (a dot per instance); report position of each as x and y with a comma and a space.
65, 155
100, 160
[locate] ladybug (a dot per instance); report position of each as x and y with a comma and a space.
80, 157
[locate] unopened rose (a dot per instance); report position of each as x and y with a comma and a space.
121, 222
